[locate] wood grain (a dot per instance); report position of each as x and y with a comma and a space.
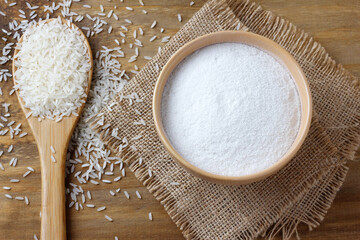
48, 133
334, 23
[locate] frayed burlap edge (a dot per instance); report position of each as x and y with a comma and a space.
321, 195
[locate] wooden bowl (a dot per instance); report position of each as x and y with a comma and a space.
263, 44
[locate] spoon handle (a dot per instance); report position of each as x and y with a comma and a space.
53, 219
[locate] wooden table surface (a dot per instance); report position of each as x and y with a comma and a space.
334, 23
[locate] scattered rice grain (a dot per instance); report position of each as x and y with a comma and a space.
153, 24
10, 148
26, 173
101, 209
23, 134
8, 196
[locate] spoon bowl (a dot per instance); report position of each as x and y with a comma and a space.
49, 133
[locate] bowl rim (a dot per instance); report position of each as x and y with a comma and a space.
264, 44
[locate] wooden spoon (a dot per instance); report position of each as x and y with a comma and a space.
49, 133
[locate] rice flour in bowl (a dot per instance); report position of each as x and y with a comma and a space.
232, 107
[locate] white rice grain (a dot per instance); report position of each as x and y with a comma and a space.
150, 216
110, 13
8, 196
22, 134
101, 209
138, 194
153, 24
26, 173
165, 39
11, 147
108, 218
71, 204
152, 38
89, 195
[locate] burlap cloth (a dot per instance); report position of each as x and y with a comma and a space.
301, 192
